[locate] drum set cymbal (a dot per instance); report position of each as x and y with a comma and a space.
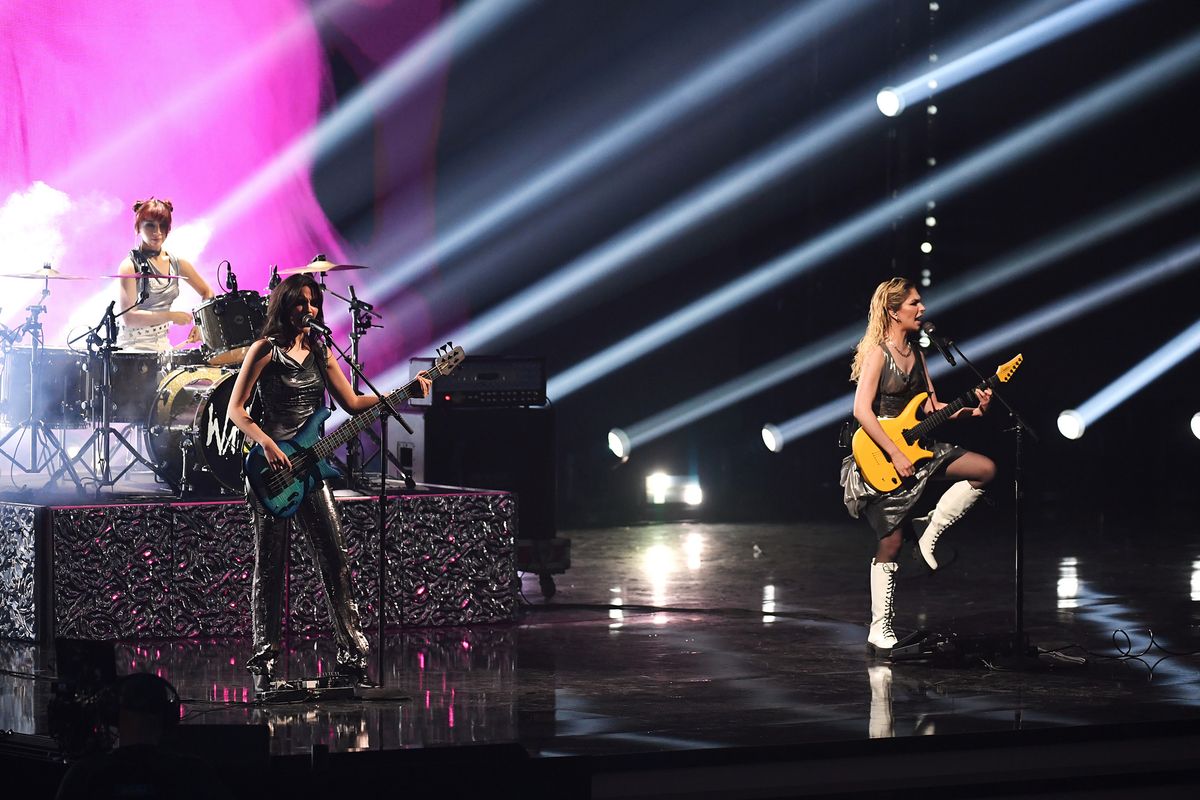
137, 276
46, 275
320, 267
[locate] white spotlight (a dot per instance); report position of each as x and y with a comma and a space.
889, 101
1071, 424
1196, 425
693, 495
619, 443
930, 221
773, 439
657, 484
926, 247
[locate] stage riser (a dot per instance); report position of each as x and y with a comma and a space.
178, 570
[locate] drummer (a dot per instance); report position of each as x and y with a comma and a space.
145, 326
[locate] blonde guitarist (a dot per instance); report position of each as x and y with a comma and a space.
890, 371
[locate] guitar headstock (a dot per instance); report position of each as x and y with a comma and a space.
448, 358
1006, 370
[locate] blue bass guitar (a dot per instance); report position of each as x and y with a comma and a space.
281, 491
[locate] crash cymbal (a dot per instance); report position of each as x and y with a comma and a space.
156, 276
320, 267
46, 274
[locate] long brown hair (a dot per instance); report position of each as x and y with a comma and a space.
888, 297
278, 326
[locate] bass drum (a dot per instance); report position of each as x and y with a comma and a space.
190, 433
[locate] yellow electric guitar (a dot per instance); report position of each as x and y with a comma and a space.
907, 432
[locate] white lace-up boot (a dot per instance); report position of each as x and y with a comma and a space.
957, 500
881, 638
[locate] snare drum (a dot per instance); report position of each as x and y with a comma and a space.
229, 324
62, 387
190, 431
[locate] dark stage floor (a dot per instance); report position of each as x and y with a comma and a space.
685, 637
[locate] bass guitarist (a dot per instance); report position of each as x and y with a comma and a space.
890, 371
291, 370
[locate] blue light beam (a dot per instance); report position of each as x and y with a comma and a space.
1164, 358
778, 38
893, 100
403, 74
1134, 85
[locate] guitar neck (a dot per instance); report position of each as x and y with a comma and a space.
360, 422
927, 425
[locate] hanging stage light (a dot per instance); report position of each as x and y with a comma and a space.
1091, 410
1136, 84
893, 100
1196, 424
1086, 233
1177, 262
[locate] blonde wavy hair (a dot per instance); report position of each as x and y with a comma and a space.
888, 296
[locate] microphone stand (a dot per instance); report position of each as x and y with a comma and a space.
362, 314
381, 566
1010, 651
101, 438
1018, 656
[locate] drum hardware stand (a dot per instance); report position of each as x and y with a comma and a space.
381, 567
1009, 650
100, 442
363, 315
40, 431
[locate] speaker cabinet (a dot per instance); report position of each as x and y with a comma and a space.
512, 449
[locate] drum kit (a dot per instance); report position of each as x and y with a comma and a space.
177, 400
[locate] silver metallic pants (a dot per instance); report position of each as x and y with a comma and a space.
318, 520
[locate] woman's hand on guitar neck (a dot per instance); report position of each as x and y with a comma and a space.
985, 398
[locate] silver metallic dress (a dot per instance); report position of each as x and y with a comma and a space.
886, 512
163, 292
289, 393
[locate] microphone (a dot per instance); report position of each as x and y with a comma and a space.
311, 322
110, 323
143, 282
929, 329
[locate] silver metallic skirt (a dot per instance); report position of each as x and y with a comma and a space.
885, 512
